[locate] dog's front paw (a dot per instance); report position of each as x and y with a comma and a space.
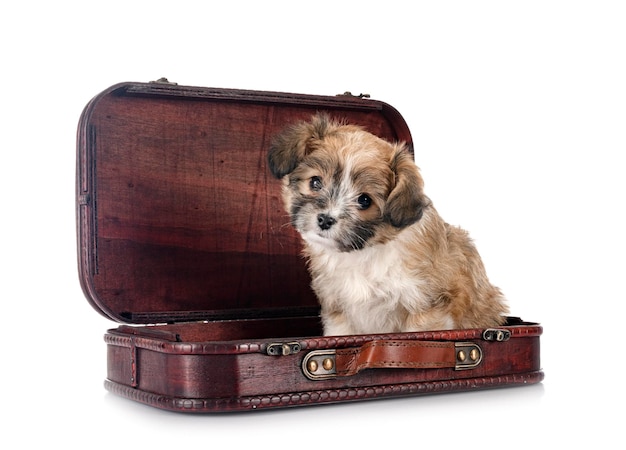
335, 324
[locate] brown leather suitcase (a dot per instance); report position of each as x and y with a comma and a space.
182, 240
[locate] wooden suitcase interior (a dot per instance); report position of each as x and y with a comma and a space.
259, 330
179, 218
230, 330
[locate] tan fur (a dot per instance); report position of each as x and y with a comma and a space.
381, 258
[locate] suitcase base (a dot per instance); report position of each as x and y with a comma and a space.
207, 367
208, 405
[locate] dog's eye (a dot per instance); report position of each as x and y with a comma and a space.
315, 183
365, 201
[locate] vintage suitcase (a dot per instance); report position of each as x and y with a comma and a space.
182, 239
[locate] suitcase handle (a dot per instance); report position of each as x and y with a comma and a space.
388, 354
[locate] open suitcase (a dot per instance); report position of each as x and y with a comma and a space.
182, 239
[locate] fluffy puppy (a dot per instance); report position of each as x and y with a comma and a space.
381, 258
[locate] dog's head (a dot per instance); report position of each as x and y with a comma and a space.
343, 187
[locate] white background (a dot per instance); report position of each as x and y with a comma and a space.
518, 114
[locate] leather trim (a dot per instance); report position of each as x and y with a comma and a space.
395, 354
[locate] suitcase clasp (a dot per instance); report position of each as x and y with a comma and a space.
283, 348
494, 334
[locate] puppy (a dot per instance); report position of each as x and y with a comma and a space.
381, 258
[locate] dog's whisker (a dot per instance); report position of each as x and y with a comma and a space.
355, 240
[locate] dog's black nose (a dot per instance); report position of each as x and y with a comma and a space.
325, 221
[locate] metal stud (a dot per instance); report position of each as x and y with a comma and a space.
312, 366
468, 355
328, 364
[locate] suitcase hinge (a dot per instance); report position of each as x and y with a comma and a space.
350, 94
164, 80
283, 348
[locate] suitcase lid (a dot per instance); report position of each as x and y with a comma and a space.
178, 217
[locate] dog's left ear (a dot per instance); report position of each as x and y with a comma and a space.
406, 202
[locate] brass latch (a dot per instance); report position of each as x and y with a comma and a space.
499, 335
283, 348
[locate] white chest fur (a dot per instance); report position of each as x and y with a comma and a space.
372, 288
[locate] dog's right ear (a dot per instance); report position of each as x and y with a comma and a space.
290, 147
